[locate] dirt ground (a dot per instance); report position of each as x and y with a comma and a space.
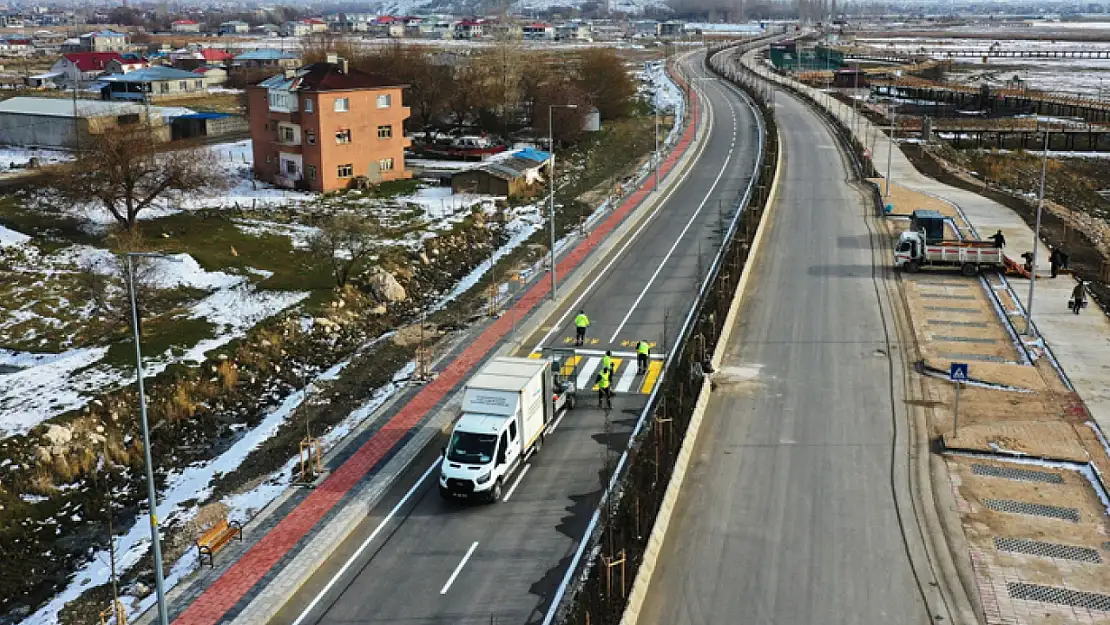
1016, 409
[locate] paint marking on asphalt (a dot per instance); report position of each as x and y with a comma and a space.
627, 378
654, 369
512, 489
678, 239
366, 543
587, 372
458, 569
604, 273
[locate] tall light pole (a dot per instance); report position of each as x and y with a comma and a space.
152, 493
1036, 239
890, 147
551, 185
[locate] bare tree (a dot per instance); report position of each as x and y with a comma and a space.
123, 172
345, 241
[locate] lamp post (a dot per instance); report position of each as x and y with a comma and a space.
890, 147
1036, 240
551, 185
152, 494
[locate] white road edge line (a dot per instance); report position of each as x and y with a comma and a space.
620, 253
512, 489
458, 569
366, 543
674, 246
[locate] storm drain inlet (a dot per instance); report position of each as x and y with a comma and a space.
1047, 550
1034, 509
1025, 475
1059, 596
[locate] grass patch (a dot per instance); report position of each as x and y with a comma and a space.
218, 244
48, 231
394, 188
159, 335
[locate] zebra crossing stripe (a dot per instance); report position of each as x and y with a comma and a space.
654, 369
586, 373
628, 376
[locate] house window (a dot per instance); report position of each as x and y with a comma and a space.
345, 171
182, 85
307, 105
385, 100
131, 118
199, 84
342, 105
386, 164
310, 137
343, 136
164, 87
269, 159
385, 132
291, 167
287, 135
310, 172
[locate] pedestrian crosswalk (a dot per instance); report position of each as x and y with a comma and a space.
625, 378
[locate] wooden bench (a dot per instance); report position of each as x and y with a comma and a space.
216, 537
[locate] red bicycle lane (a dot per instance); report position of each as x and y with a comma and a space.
230, 588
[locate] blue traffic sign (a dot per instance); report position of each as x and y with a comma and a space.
957, 372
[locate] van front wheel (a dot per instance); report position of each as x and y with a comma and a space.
495, 492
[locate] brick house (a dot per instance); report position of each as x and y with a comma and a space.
321, 126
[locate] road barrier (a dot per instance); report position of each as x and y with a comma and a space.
596, 585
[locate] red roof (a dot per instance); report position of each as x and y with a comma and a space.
328, 77
184, 22
315, 20
469, 23
539, 25
211, 54
92, 61
386, 19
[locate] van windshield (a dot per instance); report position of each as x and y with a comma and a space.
470, 448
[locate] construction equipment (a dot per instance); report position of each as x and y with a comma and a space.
913, 252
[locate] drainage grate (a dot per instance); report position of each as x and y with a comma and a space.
1059, 596
1025, 475
945, 322
1047, 550
970, 298
953, 309
1035, 509
960, 357
963, 339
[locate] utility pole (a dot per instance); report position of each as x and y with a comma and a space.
551, 186
1036, 239
890, 147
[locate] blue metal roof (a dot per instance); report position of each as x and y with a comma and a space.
265, 54
148, 74
533, 154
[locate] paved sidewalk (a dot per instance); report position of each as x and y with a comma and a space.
1079, 343
259, 562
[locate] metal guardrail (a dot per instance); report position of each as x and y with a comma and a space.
580, 566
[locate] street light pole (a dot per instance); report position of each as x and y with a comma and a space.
152, 493
1036, 240
551, 186
890, 147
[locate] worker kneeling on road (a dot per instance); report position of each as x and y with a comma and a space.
642, 351
604, 393
581, 322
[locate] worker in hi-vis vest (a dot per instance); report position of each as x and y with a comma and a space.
607, 362
642, 351
604, 393
581, 322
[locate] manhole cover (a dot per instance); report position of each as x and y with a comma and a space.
1047, 550
1025, 475
1059, 596
1034, 509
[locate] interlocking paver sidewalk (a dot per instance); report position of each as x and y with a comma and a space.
258, 562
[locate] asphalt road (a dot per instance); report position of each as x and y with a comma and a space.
788, 514
428, 561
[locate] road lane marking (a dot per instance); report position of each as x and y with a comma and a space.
569, 364
458, 569
604, 273
677, 240
512, 489
587, 372
627, 378
534, 355
654, 369
366, 543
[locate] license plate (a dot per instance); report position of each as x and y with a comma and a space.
460, 495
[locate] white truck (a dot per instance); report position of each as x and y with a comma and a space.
506, 410
913, 252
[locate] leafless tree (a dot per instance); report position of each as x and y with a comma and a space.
345, 241
123, 171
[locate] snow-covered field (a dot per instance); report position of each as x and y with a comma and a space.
12, 157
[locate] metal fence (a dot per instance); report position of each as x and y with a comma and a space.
599, 578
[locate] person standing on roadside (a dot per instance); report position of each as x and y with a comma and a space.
1078, 297
581, 322
643, 349
999, 239
1054, 261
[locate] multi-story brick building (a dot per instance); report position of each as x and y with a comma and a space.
321, 126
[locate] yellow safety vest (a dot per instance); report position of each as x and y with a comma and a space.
643, 348
606, 363
603, 379
581, 321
